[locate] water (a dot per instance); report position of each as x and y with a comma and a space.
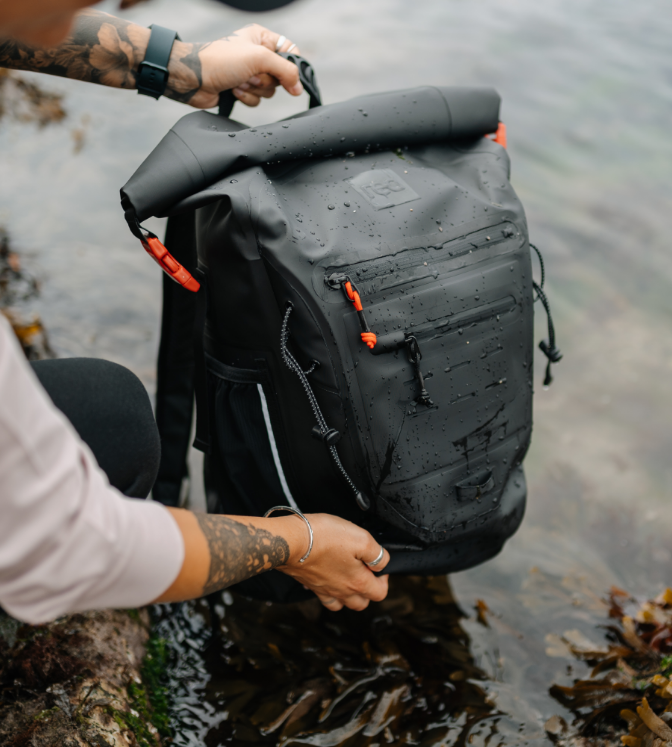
587, 89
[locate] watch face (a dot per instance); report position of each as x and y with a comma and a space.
257, 5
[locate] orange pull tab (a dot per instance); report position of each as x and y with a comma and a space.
499, 136
158, 252
353, 296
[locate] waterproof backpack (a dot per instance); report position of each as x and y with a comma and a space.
358, 333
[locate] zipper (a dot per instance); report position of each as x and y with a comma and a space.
372, 269
394, 341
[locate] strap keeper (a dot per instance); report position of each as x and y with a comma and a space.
152, 77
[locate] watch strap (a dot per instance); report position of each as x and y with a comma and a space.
152, 76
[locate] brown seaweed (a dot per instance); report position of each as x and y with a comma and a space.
627, 698
17, 287
398, 673
27, 102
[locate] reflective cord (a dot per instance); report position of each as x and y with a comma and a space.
548, 348
291, 363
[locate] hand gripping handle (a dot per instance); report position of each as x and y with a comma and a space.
306, 76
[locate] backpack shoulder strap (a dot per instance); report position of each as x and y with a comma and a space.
175, 366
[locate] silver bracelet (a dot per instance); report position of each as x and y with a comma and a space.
298, 513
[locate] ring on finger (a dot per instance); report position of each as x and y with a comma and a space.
378, 559
280, 42
290, 49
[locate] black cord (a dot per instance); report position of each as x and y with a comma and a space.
291, 363
543, 269
548, 348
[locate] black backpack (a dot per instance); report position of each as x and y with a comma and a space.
362, 326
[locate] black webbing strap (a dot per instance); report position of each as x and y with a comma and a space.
175, 366
202, 440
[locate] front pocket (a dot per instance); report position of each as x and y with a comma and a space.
245, 446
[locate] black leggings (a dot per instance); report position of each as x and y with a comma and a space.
110, 409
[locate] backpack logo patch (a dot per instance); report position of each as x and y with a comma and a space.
383, 188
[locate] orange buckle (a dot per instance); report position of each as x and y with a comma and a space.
165, 260
499, 136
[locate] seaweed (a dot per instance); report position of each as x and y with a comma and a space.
18, 286
28, 102
627, 696
400, 672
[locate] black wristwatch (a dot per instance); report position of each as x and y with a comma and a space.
153, 70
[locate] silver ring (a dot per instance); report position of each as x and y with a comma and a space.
290, 49
281, 41
378, 559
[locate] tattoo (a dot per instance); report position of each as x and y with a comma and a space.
238, 551
101, 49
186, 75
106, 50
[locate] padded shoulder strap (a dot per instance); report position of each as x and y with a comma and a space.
175, 367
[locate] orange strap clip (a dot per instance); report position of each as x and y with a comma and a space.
500, 135
165, 260
368, 337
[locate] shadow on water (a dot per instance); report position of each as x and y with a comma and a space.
399, 673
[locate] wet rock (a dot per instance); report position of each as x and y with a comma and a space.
77, 681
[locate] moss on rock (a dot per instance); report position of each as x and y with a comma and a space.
80, 681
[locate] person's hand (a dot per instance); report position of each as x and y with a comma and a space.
336, 569
246, 62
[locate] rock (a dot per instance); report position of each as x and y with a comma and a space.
556, 726
76, 682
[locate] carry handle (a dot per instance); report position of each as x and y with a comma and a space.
306, 76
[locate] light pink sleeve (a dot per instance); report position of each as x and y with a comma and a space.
68, 541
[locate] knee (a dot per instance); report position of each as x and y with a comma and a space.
110, 409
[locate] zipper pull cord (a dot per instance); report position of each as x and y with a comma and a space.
415, 356
330, 436
350, 290
547, 348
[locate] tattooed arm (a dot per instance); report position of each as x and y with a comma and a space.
223, 550
107, 50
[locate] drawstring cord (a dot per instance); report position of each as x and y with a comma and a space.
548, 348
329, 435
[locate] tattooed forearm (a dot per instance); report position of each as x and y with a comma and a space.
106, 50
238, 551
101, 49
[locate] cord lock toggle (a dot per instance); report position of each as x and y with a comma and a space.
330, 437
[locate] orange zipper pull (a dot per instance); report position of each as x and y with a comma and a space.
368, 337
